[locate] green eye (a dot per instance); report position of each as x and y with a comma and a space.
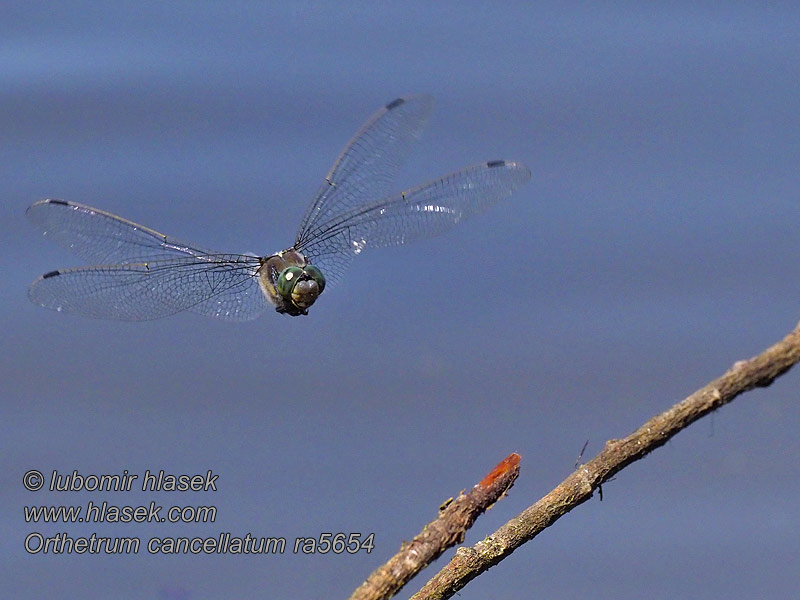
316, 275
287, 279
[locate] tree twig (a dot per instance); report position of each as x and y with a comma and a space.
469, 562
448, 529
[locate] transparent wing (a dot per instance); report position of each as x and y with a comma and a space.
99, 237
221, 286
366, 168
147, 274
421, 212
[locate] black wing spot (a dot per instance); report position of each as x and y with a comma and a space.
394, 104
51, 274
496, 163
61, 202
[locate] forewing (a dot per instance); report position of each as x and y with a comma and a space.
99, 237
143, 274
364, 171
221, 286
420, 212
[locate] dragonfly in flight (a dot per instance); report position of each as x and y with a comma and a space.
142, 274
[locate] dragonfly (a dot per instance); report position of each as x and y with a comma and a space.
140, 274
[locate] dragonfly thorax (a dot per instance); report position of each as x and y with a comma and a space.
290, 282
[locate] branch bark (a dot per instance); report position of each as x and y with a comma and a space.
469, 562
455, 517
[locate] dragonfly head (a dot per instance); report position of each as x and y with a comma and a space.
301, 286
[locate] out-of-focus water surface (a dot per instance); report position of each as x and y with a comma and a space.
657, 243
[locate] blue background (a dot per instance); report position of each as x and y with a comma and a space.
656, 244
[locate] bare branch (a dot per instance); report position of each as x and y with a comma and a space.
469, 562
447, 530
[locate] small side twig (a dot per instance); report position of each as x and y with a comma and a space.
446, 530
469, 562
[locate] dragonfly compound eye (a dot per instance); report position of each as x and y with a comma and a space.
287, 281
315, 274
305, 293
